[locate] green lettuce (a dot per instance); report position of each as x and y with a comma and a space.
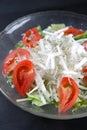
80, 103
35, 98
55, 27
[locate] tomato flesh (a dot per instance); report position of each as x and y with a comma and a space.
73, 31
23, 76
31, 37
68, 93
12, 60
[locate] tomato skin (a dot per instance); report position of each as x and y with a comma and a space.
68, 93
31, 37
74, 31
12, 59
23, 76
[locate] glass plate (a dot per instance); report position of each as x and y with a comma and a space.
12, 34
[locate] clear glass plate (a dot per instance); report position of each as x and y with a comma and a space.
10, 36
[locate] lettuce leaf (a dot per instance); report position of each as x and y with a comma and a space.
80, 103
55, 27
35, 98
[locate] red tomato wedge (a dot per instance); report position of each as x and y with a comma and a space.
84, 72
73, 31
23, 76
12, 60
31, 37
68, 93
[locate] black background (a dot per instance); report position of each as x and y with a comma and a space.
11, 117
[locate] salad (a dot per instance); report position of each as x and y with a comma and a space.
50, 67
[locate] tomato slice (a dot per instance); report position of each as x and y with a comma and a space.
23, 76
12, 60
84, 72
31, 37
68, 93
74, 31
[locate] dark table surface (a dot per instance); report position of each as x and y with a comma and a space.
12, 117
